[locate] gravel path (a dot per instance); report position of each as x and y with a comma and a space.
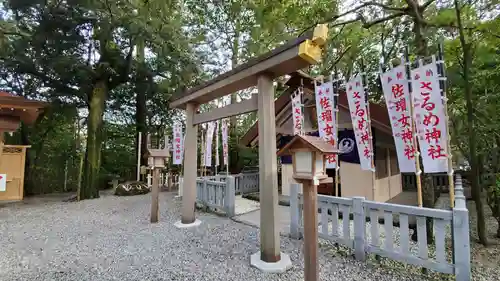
111, 239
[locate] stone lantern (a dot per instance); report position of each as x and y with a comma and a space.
157, 157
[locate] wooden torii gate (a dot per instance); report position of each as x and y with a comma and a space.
293, 55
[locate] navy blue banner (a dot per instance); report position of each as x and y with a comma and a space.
347, 144
349, 147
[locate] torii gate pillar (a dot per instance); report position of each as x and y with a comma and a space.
190, 160
269, 259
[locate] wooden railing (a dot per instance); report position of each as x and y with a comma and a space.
217, 195
387, 241
244, 183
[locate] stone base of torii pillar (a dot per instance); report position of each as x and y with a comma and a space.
179, 224
271, 267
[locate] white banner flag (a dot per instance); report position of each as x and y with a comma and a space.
397, 98
217, 129
430, 118
178, 144
360, 123
208, 143
297, 113
325, 111
225, 148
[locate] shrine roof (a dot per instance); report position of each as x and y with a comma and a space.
378, 113
19, 107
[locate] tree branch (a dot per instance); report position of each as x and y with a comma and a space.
385, 7
393, 47
338, 33
412, 5
426, 4
31, 70
125, 70
338, 59
400, 12
381, 20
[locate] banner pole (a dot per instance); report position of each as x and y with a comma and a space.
336, 100
227, 151
202, 148
217, 146
413, 128
302, 108
182, 153
443, 85
369, 123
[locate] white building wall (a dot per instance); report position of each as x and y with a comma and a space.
354, 181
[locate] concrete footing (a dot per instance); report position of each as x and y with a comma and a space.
271, 267
179, 224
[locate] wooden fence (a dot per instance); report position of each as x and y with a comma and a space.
440, 182
364, 234
244, 183
247, 183
217, 195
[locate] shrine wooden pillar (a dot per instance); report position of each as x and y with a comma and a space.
190, 164
268, 172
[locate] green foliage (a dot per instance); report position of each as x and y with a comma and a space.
52, 159
118, 152
57, 51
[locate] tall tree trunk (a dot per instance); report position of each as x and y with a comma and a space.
140, 105
473, 157
233, 136
91, 168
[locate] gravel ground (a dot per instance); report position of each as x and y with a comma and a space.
111, 239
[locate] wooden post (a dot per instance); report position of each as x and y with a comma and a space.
139, 143
268, 180
337, 116
418, 172
369, 124
190, 159
294, 211
2, 144
310, 191
155, 194
149, 178
442, 83
389, 170
461, 236
169, 181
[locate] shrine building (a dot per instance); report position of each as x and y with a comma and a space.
388, 181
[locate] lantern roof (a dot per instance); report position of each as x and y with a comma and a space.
158, 152
316, 144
